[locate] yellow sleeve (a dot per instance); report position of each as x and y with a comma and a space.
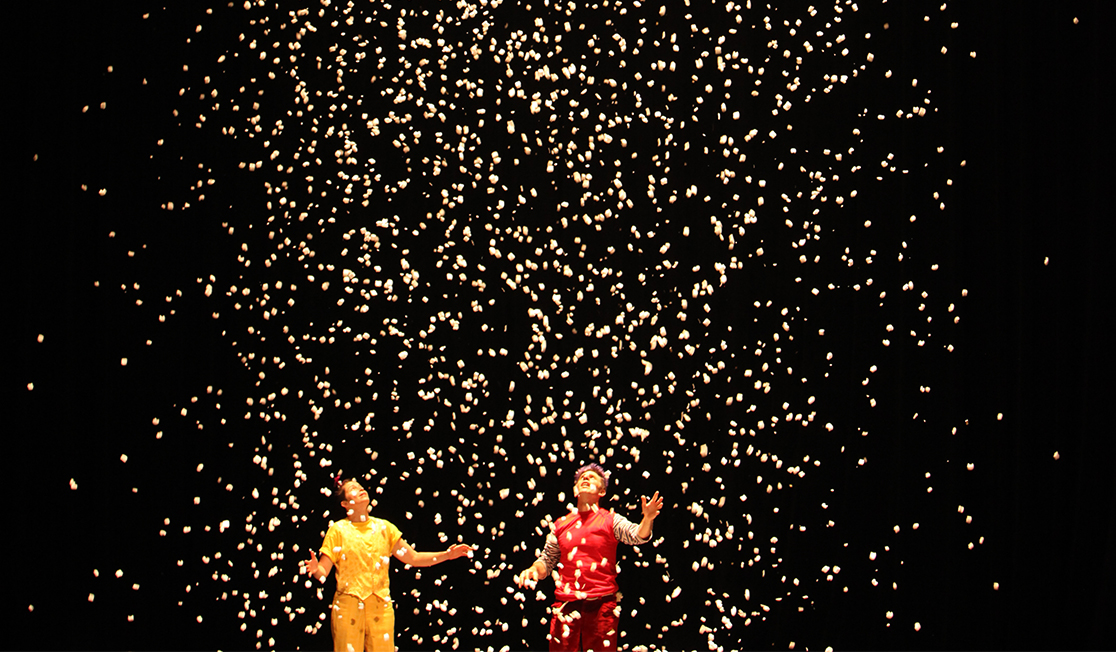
392, 534
331, 545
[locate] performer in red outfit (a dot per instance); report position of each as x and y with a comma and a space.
582, 547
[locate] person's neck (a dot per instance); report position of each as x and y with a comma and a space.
359, 517
584, 505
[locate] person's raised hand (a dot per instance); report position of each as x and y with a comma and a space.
312, 565
528, 578
651, 507
459, 550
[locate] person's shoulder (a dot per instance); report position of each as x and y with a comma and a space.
566, 519
383, 523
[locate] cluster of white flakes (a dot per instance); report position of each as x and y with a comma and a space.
475, 244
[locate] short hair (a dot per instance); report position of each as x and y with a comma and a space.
339, 486
596, 468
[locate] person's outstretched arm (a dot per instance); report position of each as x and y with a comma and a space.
319, 568
543, 565
408, 555
651, 510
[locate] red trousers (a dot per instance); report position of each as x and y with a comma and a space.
584, 625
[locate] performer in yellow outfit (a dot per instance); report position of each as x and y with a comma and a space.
361, 547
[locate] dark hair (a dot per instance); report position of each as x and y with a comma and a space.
598, 469
339, 485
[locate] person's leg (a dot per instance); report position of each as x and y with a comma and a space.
600, 625
347, 624
565, 626
379, 625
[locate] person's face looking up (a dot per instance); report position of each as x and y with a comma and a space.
590, 483
355, 496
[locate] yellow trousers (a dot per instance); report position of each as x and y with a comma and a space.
362, 624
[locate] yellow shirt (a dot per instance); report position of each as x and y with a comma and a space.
360, 553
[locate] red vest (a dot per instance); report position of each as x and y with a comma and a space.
587, 564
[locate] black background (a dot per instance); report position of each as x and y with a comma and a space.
1034, 344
